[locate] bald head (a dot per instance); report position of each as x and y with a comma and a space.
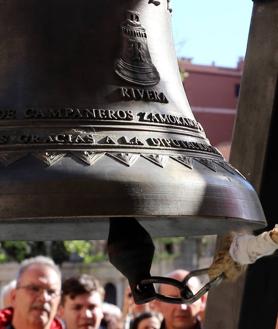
179, 274
179, 316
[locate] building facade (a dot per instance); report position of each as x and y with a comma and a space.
213, 92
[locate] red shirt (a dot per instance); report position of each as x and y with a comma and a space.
6, 316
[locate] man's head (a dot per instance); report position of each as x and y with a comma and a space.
37, 294
130, 307
112, 316
81, 303
179, 316
6, 294
146, 320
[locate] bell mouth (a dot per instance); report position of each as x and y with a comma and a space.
170, 201
97, 228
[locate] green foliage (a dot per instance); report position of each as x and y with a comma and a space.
86, 250
14, 250
61, 251
81, 247
82, 251
3, 256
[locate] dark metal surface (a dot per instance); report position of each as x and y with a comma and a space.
131, 249
94, 123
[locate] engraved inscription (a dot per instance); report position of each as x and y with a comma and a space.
96, 140
169, 119
76, 113
163, 142
138, 94
49, 139
7, 114
107, 140
133, 141
106, 114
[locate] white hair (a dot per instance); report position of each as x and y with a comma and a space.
38, 260
5, 292
111, 309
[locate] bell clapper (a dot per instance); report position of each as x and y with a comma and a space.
131, 250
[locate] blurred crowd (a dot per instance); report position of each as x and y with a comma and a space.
39, 298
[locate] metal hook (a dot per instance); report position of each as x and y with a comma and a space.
187, 296
212, 283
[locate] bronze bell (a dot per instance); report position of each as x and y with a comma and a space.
95, 124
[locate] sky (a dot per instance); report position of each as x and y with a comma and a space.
211, 30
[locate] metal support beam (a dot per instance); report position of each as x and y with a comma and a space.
254, 152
